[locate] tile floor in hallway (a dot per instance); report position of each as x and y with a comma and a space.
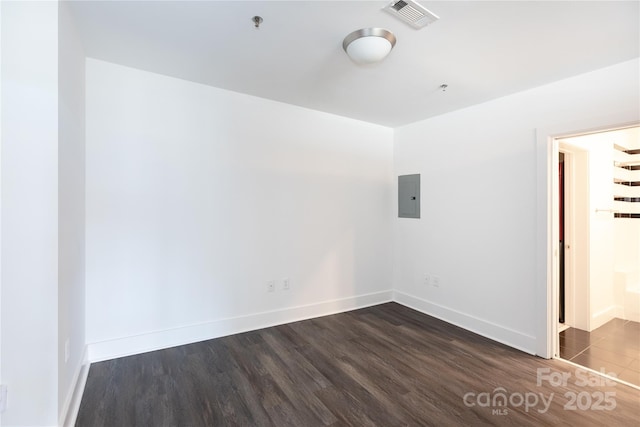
615, 346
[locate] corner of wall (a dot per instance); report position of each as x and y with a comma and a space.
501, 334
72, 401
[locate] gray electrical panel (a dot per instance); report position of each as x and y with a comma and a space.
409, 196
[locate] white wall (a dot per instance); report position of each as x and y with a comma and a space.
598, 184
601, 235
478, 225
1, 138
627, 238
196, 197
71, 201
30, 212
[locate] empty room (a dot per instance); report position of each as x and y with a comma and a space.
319, 213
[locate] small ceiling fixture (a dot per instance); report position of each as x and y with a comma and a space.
369, 45
257, 20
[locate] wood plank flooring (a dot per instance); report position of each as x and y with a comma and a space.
386, 366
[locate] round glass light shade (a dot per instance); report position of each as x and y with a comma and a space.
369, 45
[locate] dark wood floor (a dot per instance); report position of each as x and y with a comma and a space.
381, 366
614, 346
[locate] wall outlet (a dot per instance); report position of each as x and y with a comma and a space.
285, 284
66, 351
435, 280
3, 398
271, 286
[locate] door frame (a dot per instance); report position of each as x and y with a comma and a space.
566, 193
577, 235
547, 225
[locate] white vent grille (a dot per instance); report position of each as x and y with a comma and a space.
412, 13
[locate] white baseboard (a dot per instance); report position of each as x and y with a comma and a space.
74, 395
515, 339
127, 346
603, 316
634, 316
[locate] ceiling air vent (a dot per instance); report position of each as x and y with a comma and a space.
412, 13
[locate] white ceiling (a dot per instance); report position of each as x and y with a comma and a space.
482, 50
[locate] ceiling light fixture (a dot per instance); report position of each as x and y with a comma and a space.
369, 45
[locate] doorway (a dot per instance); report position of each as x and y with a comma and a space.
597, 218
561, 244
